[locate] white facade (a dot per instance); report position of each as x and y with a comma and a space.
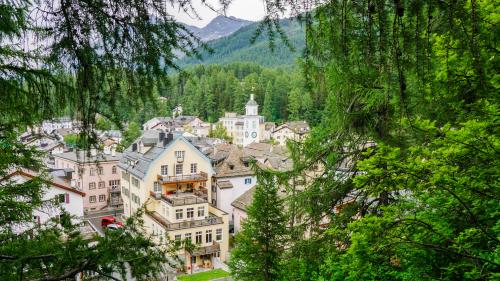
238, 217
225, 196
62, 123
244, 129
69, 200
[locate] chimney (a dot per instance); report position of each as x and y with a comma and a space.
168, 139
161, 136
251, 96
113, 151
134, 147
141, 147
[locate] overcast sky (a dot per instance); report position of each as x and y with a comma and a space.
244, 9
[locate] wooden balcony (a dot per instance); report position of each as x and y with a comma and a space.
190, 178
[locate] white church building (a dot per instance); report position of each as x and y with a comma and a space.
244, 129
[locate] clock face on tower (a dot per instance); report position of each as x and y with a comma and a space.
246, 134
254, 134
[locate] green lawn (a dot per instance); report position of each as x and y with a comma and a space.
204, 276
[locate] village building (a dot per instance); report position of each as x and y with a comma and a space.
59, 195
233, 177
58, 123
244, 129
94, 173
159, 123
293, 130
171, 177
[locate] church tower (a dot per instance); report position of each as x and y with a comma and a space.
251, 122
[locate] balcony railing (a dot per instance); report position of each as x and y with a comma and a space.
214, 248
201, 176
181, 199
211, 220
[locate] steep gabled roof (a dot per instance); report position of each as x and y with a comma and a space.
138, 163
54, 181
235, 165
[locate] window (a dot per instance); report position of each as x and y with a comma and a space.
156, 187
125, 191
114, 183
92, 199
248, 180
194, 168
102, 184
164, 170
136, 199
125, 176
60, 198
178, 169
198, 237
180, 154
100, 171
178, 237
190, 213
218, 234
81, 171
208, 236
92, 171
201, 211
91, 185
187, 237
135, 182
179, 214
102, 198
113, 170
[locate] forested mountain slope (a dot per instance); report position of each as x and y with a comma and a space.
237, 47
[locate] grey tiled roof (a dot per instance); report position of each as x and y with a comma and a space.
244, 200
83, 157
138, 163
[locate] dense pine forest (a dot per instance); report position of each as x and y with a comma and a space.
210, 90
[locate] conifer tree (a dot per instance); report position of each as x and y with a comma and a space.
257, 254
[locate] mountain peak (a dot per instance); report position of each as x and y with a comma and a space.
220, 26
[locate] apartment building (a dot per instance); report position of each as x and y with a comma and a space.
171, 177
96, 174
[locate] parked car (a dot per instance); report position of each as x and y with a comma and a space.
105, 221
114, 226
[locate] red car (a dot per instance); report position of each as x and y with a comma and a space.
105, 221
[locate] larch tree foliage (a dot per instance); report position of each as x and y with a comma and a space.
82, 58
406, 156
256, 255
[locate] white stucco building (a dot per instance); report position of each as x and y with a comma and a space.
58, 195
244, 129
233, 177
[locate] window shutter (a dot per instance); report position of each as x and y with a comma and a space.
66, 198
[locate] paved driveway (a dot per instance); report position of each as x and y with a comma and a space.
95, 218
